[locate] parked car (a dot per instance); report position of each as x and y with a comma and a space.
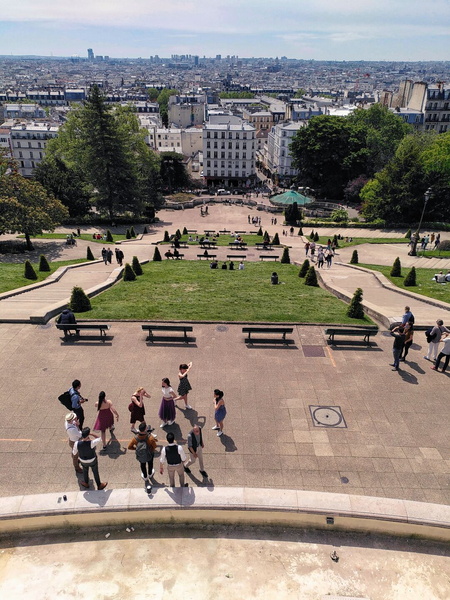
222, 192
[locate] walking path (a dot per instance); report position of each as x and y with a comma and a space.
40, 302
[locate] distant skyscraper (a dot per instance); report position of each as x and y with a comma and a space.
90, 54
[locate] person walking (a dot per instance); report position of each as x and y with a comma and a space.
399, 341
137, 408
184, 386
433, 339
167, 409
220, 411
408, 317
74, 434
85, 447
409, 334
174, 456
105, 256
105, 417
443, 354
109, 255
77, 401
195, 447
145, 445
320, 257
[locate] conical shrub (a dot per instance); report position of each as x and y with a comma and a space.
304, 268
145, 230
166, 236
311, 277
285, 259
89, 254
109, 237
300, 231
132, 232
276, 240
311, 235
260, 231
128, 234
128, 273
29, 272
408, 234
316, 237
178, 234
410, 279
266, 237
355, 309
396, 270
335, 241
185, 231
136, 265
79, 302
354, 259
157, 254
43, 264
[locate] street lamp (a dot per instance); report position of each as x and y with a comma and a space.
416, 236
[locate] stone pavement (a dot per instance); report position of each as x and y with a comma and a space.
394, 444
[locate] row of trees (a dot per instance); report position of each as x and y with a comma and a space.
374, 156
100, 157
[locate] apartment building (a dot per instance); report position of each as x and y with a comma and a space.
278, 159
187, 110
28, 142
229, 152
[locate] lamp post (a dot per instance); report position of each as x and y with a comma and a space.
416, 236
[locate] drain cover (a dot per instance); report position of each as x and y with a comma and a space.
313, 351
327, 416
221, 328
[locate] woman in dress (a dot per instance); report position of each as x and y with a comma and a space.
167, 408
220, 411
105, 416
137, 408
184, 387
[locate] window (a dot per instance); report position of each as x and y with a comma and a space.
208, 144
244, 136
230, 145
223, 134
20, 155
208, 163
215, 144
215, 135
31, 155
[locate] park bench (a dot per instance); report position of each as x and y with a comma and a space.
269, 256
180, 245
282, 330
236, 256
224, 231
364, 332
209, 231
191, 230
262, 246
102, 327
173, 257
150, 327
240, 232
239, 245
207, 257
208, 245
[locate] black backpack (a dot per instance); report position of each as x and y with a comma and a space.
66, 400
430, 337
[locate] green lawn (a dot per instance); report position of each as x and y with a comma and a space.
190, 290
11, 275
425, 285
84, 236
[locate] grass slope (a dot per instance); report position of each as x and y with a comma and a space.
425, 285
190, 290
11, 275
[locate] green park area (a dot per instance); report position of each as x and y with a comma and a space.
425, 285
172, 290
12, 274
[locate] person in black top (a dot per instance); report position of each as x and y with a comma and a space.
399, 342
88, 457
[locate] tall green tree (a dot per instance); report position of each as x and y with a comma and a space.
26, 207
173, 172
163, 101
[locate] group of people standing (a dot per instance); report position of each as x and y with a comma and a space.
83, 443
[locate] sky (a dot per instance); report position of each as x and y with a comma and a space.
404, 30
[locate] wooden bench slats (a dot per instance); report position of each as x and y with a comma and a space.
282, 330
364, 332
181, 328
269, 256
207, 257
102, 327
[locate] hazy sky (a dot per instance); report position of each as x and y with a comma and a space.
318, 29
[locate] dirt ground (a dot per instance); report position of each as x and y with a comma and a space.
222, 562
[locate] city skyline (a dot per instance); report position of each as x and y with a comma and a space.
320, 30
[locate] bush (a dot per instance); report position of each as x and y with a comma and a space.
145, 231
396, 270
355, 309
43, 264
285, 259
444, 245
354, 259
89, 254
79, 302
185, 231
408, 234
336, 241
316, 237
410, 279
304, 268
13, 247
339, 215
311, 277
260, 231
132, 232
128, 273
128, 234
311, 235
276, 240
157, 254
136, 265
166, 236
178, 234
109, 237
266, 237
300, 231
29, 272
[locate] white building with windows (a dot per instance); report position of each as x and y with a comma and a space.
279, 160
28, 142
229, 147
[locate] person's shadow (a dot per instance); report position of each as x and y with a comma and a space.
192, 416
228, 443
113, 448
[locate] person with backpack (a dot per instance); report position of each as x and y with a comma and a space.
408, 317
145, 445
77, 400
433, 336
